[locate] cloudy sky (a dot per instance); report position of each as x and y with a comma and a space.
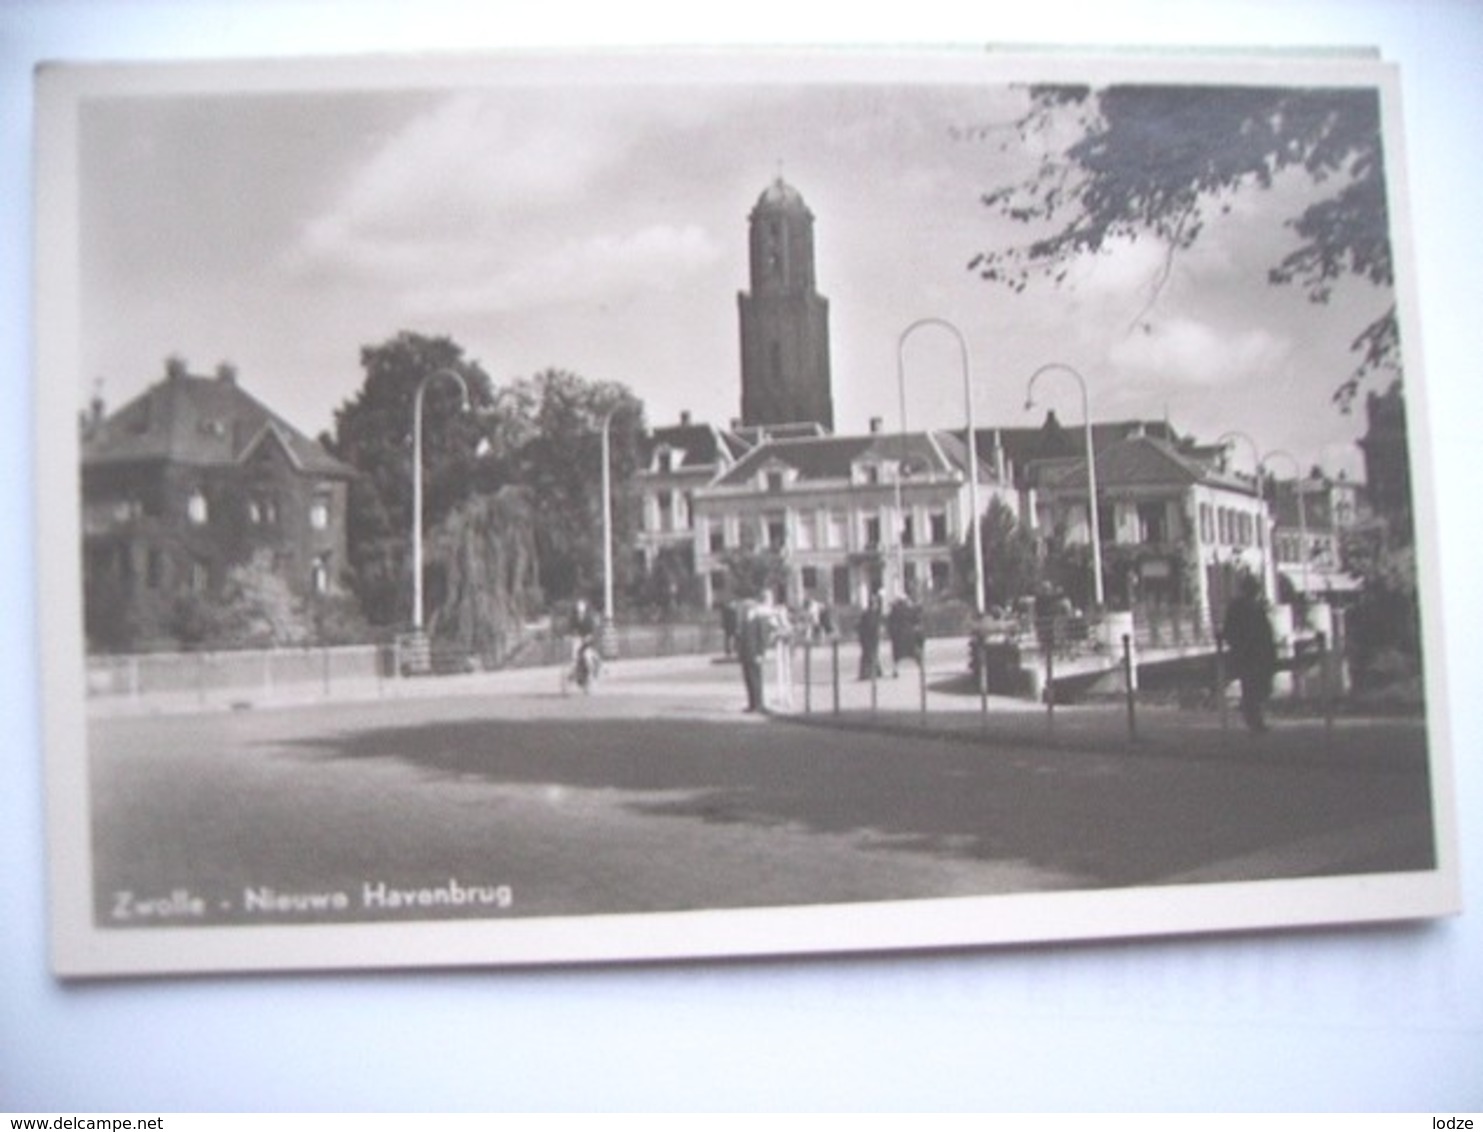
600, 227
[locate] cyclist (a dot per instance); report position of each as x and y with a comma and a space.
584, 626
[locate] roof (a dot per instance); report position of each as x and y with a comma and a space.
700, 445
781, 196
1138, 461
833, 457
200, 421
1052, 439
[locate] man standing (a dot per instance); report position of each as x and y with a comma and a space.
751, 647
1252, 650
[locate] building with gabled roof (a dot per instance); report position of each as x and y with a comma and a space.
190, 478
675, 461
846, 514
1175, 530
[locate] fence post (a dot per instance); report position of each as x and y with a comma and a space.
1220, 679
1325, 683
1050, 677
980, 648
325, 654
873, 690
922, 674
834, 671
808, 677
1128, 686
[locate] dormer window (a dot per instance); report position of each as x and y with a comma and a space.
664, 460
870, 473
774, 480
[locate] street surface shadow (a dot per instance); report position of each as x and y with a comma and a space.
1111, 820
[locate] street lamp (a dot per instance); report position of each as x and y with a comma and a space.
1086, 414
978, 551
1302, 511
607, 521
417, 483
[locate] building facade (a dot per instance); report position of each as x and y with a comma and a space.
1175, 530
192, 478
845, 515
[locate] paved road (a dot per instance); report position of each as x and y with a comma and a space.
659, 794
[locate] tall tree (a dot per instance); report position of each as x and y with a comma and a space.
1011, 559
542, 434
373, 433
486, 549
1158, 161
552, 430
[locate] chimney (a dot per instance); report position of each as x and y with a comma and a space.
684, 416
175, 367
875, 424
226, 373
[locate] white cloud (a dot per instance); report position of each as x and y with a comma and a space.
1190, 353
654, 258
481, 202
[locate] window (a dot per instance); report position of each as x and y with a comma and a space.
774, 481
941, 576
777, 532
665, 460
937, 523
664, 506
196, 509
319, 512
809, 576
870, 473
717, 539
154, 569
1153, 523
803, 530
835, 528
1207, 525
872, 533
319, 578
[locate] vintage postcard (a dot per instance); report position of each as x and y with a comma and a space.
559, 508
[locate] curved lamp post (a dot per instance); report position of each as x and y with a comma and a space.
417, 483
1297, 484
1086, 414
973, 521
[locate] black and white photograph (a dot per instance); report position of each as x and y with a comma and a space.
602, 507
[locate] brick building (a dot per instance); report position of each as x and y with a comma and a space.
190, 478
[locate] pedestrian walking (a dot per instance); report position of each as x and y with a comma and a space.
903, 626
1252, 650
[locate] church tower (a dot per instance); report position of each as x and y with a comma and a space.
784, 321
